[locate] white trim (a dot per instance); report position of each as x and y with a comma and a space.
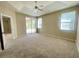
59, 37
2, 21
1, 15
10, 23
73, 23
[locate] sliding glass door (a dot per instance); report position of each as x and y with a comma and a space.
30, 25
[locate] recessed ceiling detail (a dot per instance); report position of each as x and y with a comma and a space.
27, 7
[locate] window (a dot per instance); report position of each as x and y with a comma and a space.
39, 23
67, 21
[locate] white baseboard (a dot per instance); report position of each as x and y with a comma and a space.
59, 37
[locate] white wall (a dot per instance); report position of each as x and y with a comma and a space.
18, 22
5, 10
21, 24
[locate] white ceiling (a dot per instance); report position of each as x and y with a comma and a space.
27, 7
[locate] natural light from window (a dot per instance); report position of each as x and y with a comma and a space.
30, 25
40, 23
67, 21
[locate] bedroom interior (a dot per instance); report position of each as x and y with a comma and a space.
39, 29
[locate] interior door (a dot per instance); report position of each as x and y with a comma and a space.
1, 36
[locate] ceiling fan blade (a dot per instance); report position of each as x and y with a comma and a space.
40, 9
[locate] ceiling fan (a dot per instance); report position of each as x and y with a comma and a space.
36, 7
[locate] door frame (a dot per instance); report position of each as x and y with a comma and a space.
2, 21
2, 29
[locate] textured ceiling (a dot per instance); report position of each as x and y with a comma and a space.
27, 7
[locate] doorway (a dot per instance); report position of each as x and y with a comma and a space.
6, 25
30, 25
6, 30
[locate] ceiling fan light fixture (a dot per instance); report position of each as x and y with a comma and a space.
36, 7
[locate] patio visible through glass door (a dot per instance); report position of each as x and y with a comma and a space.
30, 25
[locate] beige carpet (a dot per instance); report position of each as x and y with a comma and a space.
36, 45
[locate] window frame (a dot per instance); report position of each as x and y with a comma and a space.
74, 28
